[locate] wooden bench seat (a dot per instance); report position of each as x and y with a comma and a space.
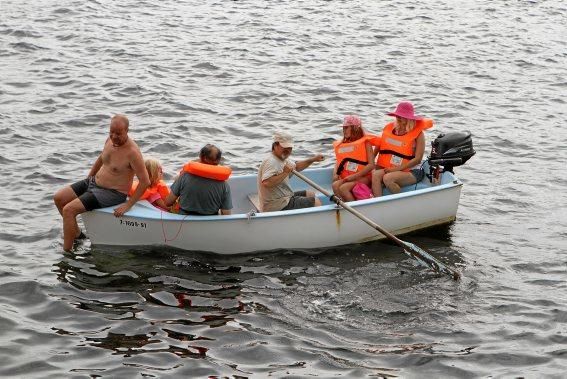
255, 201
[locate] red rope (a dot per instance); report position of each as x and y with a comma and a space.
165, 240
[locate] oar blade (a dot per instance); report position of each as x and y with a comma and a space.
410, 249
428, 260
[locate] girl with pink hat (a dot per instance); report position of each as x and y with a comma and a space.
355, 159
401, 150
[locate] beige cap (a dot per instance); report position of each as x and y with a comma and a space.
284, 139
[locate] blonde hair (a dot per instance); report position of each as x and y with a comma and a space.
153, 166
408, 127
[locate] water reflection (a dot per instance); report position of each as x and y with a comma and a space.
129, 345
439, 234
163, 300
176, 297
181, 273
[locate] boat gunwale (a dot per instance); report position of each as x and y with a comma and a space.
172, 217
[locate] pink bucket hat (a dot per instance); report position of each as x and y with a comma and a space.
405, 110
352, 120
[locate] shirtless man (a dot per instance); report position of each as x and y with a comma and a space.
108, 182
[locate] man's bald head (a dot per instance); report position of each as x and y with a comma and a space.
119, 130
120, 120
210, 154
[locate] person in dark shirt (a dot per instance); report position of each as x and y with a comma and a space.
200, 195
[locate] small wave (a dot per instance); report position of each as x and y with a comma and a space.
383, 36
288, 63
396, 53
64, 83
66, 37
26, 46
19, 84
207, 66
63, 11
523, 63
45, 110
5, 161
20, 33
165, 147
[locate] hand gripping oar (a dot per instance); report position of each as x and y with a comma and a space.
410, 249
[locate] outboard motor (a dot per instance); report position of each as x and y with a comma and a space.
449, 150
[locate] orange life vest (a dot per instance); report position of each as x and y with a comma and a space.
209, 171
160, 188
398, 150
351, 156
374, 140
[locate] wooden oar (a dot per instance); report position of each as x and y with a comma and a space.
410, 249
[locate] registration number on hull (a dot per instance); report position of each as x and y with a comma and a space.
133, 223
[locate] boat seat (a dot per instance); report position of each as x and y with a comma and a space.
255, 201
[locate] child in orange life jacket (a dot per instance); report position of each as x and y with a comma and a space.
355, 158
401, 151
157, 191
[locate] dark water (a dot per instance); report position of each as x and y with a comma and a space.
231, 72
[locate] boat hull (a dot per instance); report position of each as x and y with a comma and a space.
247, 232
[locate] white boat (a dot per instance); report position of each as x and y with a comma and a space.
247, 230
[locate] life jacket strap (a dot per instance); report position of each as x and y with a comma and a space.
345, 160
408, 157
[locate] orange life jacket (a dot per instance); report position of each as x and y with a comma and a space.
204, 170
351, 156
374, 140
398, 150
160, 188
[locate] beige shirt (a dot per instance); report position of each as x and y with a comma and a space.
275, 198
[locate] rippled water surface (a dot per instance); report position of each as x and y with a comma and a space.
232, 72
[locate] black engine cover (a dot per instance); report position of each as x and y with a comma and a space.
451, 149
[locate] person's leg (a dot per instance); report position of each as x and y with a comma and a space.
345, 191
66, 195
377, 177
310, 196
313, 195
70, 227
397, 179
365, 180
63, 197
301, 201
336, 184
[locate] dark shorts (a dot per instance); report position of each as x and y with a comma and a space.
94, 197
299, 200
418, 174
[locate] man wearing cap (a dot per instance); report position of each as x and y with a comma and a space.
274, 191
